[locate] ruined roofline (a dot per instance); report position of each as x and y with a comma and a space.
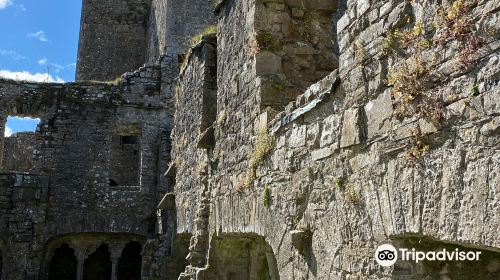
122, 79
210, 38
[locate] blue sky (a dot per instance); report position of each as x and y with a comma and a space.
39, 42
39, 37
17, 124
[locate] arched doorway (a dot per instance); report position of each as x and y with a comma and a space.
240, 256
129, 266
98, 265
63, 264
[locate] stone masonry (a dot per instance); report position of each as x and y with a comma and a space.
259, 140
399, 144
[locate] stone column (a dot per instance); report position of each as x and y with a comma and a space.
115, 253
80, 256
83, 250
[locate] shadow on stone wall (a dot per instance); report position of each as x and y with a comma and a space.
240, 257
487, 267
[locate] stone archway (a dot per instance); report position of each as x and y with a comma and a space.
240, 257
487, 266
129, 266
98, 265
63, 264
95, 253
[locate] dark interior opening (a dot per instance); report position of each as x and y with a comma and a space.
129, 266
125, 160
129, 140
98, 265
62, 265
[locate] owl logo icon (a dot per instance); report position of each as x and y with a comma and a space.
386, 255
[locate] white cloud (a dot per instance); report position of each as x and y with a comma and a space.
13, 54
58, 66
43, 61
26, 76
71, 64
5, 3
40, 35
8, 130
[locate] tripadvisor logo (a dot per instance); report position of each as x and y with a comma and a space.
387, 255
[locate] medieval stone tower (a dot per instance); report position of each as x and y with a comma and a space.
112, 38
260, 140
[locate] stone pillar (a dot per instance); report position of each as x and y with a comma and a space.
83, 251
115, 253
80, 256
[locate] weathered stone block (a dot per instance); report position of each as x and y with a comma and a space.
298, 136
378, 115
330, 133
322, 153
267, 63
352, 128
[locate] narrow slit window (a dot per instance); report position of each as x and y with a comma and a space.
129, 140
125, 160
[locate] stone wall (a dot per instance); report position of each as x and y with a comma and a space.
184, 20
69, 189
191, 137
401, 140
173, 25
292, 47
18, 151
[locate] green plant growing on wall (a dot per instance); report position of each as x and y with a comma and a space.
411, 38
250, 176
266, 196
475, 90
211, 29
351, 195
388, 44
408, 82
413, 91
278, 85
263, 146
267, 41
340, 182
419, 148
406, 41
457, 24
262, 41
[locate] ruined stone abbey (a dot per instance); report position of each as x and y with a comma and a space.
259, 140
